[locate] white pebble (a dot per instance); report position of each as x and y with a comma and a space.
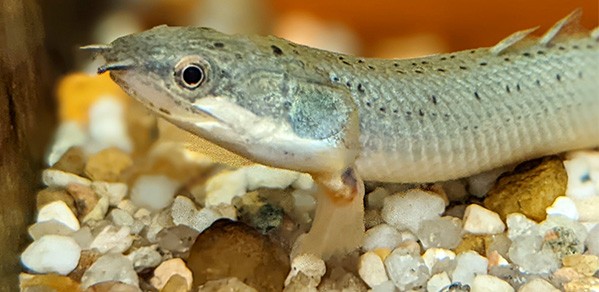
121, 218
587, 209
67, 135
437, 282
59, 179
376, 198
145, 257
409, 209
407, 271
223, 187
52, 254
112, 239
592, 242
388, 286
538, 285
130, 207
526, 252
580, 185
433, 256
169, 268
381, 235
59, 211
115, 192
372, 270
260, 176
83, 237
310, 265
563, 206
51, 227
444, 232
303, 182
468, 265
154, 192
107, 126
519, 225
185, 213
479, 220
110, 267
486, 283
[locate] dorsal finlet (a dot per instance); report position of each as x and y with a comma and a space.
595, 33
511, 40
565, 25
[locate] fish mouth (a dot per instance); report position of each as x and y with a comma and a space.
104, 50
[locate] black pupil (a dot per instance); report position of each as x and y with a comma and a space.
192, 75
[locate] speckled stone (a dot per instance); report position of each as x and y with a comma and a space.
472, 242
529, 189
85, 199
217, 252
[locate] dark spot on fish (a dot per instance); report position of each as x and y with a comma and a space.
558, 77
506, 59
335, 79
527, 54
371, 67
463, 67
296, 52
276, 50
424, 62
382, 109
561, 48
219, 45
483, 63
441, 70
518, 87
368, 104
360, 87
414, 64
538, 82
238, 56
473, 51
395, 111
360, 61
400, 72
576, 47
465, 128
589, 46
151, 104
507, 88
418, 71
421, 113
408, 113
396, 64
443, 58
452, 57
348, 84
476, 127
476, 95
434, 98
165, 111
540, 52
287, 105
341, 58
346, 63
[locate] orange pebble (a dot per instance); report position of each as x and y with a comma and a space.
78, 91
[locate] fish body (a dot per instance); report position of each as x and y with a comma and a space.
427, 119
346, 119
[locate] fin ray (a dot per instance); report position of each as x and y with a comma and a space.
511, 40
564, 26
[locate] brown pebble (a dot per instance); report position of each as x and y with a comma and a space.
582, 285
176, 283
85, 199
49, 282
529, 189
86, 259
49, 195
107, 165
112, 286
72, 161
233, 249
472, 242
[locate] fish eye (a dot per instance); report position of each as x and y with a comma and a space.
190, 73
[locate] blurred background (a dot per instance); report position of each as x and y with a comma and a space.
382, 28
